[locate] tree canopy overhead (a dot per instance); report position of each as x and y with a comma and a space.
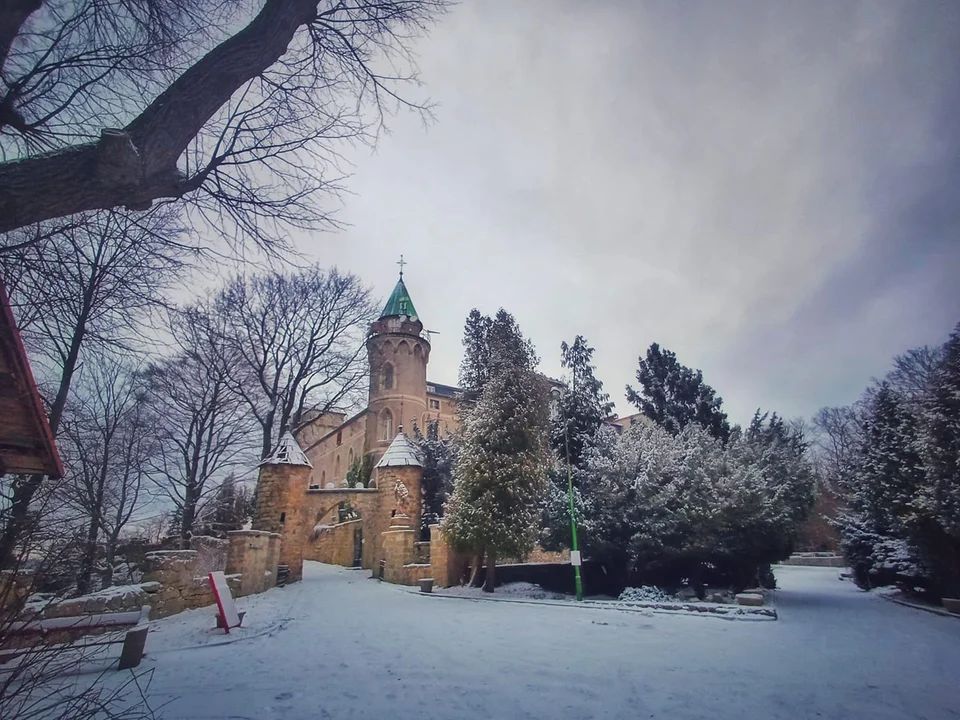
235, 106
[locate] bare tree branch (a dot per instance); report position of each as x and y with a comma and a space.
248, 117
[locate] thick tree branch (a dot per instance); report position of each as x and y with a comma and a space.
138, 165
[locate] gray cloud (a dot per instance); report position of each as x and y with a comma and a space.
770, 190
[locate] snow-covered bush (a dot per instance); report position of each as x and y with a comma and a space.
665, 507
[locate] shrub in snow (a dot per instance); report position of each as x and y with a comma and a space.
660, 507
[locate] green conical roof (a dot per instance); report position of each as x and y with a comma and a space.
399, 302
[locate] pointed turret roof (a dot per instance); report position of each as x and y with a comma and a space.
287, 452
399, 302
401, 452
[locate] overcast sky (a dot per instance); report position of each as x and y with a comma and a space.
771, 190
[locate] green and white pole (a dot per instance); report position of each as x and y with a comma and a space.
574, 550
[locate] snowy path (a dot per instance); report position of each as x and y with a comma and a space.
339, 645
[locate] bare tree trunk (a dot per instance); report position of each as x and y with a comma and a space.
475, 571
490, 581
189, 516
89, 559
109, 558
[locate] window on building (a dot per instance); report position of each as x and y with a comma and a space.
339, 436
386, 424
434, 404
387, 376
336, 469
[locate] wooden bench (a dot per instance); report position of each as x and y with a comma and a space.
133, 640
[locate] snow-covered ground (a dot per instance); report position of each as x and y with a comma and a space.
339, 645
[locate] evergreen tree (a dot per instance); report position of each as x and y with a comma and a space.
437, 456
580, 412
880, 493
503, 454
582, 406
360, 471
935, 525
475, 366
230, 508
673, 395
487, 344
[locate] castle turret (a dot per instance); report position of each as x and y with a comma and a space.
398, 351
399, 476
281, 496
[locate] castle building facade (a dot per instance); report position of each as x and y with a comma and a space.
398, 350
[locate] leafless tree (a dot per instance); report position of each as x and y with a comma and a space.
240, 107
912, 371
112, 442
836, 434
56, 682
204, 429
89, 285
291, 341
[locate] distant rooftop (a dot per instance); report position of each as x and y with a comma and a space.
443, 390
288, 452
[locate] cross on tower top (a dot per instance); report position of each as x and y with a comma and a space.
401, 264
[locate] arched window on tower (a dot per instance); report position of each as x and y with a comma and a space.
387, 376
386, 424
336, 470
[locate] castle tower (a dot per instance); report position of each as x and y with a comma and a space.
398, 351
399, 476
281, 496
400, 465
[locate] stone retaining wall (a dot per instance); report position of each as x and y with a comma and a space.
170, 586
834, 561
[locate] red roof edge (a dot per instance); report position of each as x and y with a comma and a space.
35, 404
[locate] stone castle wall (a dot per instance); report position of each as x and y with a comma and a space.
321, 509
334, 544
254, 556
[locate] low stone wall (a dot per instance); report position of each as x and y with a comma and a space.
179, 588
816, 560
112, 599
539, 555
253, 556
446, 565
170, 586
410, 574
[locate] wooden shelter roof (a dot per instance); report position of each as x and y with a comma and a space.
26, 443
